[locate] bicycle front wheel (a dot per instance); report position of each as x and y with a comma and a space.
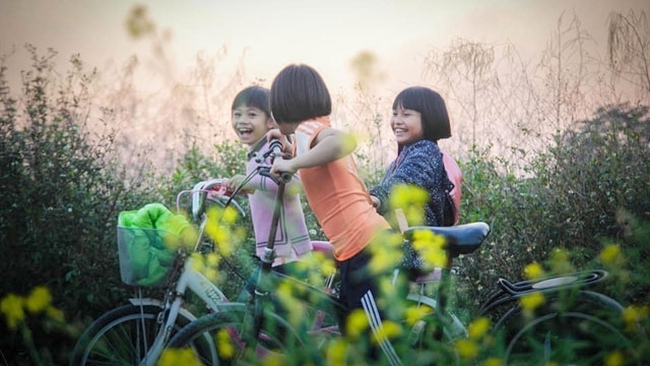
231, 333
123, 336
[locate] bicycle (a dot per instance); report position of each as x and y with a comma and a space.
136, 333
250, 330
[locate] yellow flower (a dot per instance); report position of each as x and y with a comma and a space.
38, 300
411, 199
478, 328
274, 359
614, 358
388, 330
415, 313
383, 261
431, 248
534, 271
211, 274
178, 356
532, 301
336, 352
611, 255
493, 361
357, 323
197, 262
224, 344
634, 314
294, 307
467, 348
230, 215
12, 306
212, 259
560, 261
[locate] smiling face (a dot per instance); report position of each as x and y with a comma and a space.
406, 125
250, 124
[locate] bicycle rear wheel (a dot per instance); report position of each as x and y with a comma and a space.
229, 329
123, 336
583, 333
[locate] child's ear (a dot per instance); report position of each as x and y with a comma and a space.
270, 123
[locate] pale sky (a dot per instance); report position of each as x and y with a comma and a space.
274, 33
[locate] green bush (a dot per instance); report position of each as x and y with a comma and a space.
569, 199
61, 196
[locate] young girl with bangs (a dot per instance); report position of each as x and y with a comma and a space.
418, 121
301, 105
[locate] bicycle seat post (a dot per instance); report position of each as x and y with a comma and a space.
443, 289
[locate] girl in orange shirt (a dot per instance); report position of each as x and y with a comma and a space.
301, 105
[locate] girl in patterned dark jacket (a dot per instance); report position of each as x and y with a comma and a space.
419, 120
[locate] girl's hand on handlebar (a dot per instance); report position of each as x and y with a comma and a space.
276, 134
233, 183
280, 166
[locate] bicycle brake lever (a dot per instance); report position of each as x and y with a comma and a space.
265, 171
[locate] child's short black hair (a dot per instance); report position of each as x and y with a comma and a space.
298, 93
253, 96
435, 119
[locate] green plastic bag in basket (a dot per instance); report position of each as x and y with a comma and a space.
147, 241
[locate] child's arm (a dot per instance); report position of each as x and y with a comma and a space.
329, 145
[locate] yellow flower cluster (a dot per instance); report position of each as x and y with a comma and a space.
12, 307
38, 301
532, 301
222, 229
288, 295
225, 345
207, 265
534, 271
386, 253
356, 323
633, 315
560, 261
431, 248
411, 200
415, 313
614, 358
180, 356
336, 352
470, 347
611, 256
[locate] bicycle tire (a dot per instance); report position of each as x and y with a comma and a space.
276, 338
583, 333
121, 336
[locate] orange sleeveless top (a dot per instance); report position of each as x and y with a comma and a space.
338, 197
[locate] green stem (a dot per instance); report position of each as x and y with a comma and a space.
29, 342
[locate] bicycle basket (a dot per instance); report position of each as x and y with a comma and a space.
144, 255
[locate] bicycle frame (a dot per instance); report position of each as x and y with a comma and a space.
197, 283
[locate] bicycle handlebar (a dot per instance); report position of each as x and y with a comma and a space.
275, 150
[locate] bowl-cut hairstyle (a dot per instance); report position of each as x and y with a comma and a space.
298, 93
432, 108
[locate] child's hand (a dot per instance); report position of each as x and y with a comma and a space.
276, 134
375, 201
280, 165
233, 183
